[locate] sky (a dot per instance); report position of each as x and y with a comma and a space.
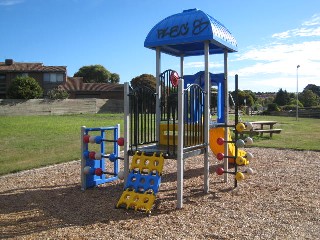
273, 37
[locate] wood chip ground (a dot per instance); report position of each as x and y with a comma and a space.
280, 201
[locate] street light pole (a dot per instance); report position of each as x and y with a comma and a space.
297, 107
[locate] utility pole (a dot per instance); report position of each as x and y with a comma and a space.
297, 107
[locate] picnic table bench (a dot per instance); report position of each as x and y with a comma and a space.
258, 128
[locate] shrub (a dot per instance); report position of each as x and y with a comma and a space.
265, 112
289, 107
58, 93
24, 88
257, 107
273, 107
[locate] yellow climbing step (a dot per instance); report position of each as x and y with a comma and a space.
137, 201
145, 172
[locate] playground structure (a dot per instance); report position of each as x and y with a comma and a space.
174, 121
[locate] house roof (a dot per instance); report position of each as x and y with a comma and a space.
75, 84
30, 67
184, 34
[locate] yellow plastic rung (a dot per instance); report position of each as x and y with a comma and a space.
147, 163
137, 201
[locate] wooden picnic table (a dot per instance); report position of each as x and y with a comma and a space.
261, 128
263, 123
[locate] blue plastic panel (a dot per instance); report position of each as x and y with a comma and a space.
184, 34
137, 181
217, 79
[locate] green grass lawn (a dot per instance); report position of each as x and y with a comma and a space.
303, 134
34, 141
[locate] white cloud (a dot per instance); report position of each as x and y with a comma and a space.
299, 32
315, 20
10, 2
273, 66
308, 29
279, 58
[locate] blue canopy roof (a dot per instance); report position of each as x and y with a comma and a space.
184, 34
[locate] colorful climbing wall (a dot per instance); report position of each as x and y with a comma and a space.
142, 183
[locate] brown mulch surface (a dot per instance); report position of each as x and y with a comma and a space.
280, 201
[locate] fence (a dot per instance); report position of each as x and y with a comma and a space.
15, 107
302, 112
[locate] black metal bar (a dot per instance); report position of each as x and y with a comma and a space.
136, 132
132, 116
236, 122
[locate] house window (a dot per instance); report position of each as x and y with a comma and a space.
53, 77
3, 84
23, 75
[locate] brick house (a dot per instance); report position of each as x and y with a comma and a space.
78, 89
48, 77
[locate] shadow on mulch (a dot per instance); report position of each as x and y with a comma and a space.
32, 210
41, 209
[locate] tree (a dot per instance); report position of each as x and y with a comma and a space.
114, 78
244, 97
252, 94
147, 80
282, 98
309, 98
265, 100
97, 74
268, 100
273, 107
24, 88
314, 88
